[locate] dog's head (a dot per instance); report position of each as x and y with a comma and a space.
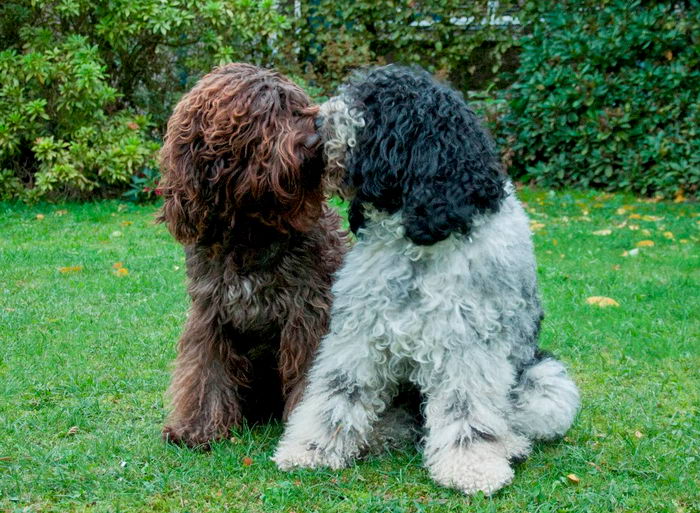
241, 146
406, 142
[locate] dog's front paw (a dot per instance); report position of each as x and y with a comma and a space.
194, 437
289, 456
479, 467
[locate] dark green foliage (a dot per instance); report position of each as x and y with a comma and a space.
144, 186
332, 36
608, 96
86, 87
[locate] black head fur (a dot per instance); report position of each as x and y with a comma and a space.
422, 151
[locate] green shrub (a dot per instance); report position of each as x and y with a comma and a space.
86, 87
608, 96
327, 38
57, 134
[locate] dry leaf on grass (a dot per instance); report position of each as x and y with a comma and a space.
535, 226
573, 479
247, 461
122, 271
602, 301
631, 252
645, 243
669, 235
70, 269
603, 232
117, 265
40, 217
73, 430
61, 212
638, 434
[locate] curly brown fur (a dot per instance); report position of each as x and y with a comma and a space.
243, 188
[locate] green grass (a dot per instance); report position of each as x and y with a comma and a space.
85, 358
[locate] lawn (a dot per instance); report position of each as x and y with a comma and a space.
92, 299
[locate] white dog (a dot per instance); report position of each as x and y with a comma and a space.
440, 291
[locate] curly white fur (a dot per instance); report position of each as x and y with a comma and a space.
457, 319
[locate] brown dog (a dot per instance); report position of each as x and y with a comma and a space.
243, 183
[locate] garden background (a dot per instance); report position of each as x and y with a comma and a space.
595, 108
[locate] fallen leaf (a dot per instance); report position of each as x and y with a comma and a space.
122, 271
635, 216
679, 197
234, 440
70, 269
602, 301
631, 252
616, 267
116, 234
40, 217
132, 126
535, 226
573, 479
247, 462
117, 265
684, 241
638, 434
603, 232
126, 223
73, 430
623, 209
61, 212
651, 218
645, 243
646, 232
633, 227
669, 235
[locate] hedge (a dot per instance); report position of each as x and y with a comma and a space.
607, 96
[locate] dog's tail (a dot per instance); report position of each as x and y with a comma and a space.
545, 399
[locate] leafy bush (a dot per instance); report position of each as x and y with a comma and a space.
144, 186
327, 38
86, 87
56, 132
608, 96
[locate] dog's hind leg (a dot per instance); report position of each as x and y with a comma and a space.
348, 391
469, 443
204, 388
545, 399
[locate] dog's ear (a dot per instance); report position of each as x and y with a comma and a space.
453, 175
187, 198
422, 151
